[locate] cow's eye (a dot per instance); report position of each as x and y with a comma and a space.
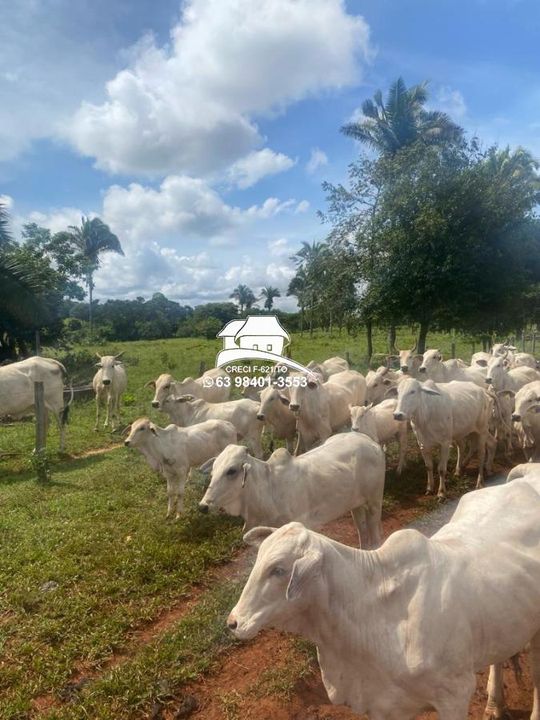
412, 392
166, 387
231, 471
278, 571
139, 429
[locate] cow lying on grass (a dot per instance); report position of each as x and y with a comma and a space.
405, 628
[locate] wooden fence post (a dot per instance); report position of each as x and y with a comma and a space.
41, 432
533, 342
523, 341
348, 357
202, 367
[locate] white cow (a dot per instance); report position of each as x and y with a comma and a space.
378, 423
353, 381
17, 390
443, 414
404, 628
480, 359
213, 386
109, 383
523, 470
344, 474
409, 362
527, 417
434, 368
320, 409
501, 377
525, 359
187, 410
173, 451
275, 414
329, 367
379, 381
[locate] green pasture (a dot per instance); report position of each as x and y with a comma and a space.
88, 559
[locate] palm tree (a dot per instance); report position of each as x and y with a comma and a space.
401, 120
92, 239
5, 235
244, 296
311, 263
270, 293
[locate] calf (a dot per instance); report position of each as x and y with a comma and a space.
109, 383
378, 382
379, 424
213, 386
173, 451
320, 409
187, 410
443, 414
344, 474
275, 414
434, 368
404, 628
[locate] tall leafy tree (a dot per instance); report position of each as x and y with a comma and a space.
244, 296
312, 269
91, 239
269, 294
402, 119
5, 234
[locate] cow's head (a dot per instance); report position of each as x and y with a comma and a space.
302, 384
409, 397
107, 363
141, 431
285, 579
163, 386
230, 472
407, 359
496, 370
362, 419
270, 397
377, 383
430, 360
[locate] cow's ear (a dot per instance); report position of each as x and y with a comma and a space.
257, 534
482, 363
284, 400
150, 383
246, 467
502, 393
98, 365
184, 398
387, 381
206, 468
430, 390
153, 429
312, 384
304, 571
126, 431
391, 392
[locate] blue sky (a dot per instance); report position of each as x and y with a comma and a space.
201, 131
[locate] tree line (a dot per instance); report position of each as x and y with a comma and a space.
431, 229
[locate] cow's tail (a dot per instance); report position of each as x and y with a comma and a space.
65, 411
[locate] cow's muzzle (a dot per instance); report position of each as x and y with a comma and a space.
294, 408
516, 417
422, 369
260, 416
404, 368
127, 443
155, 404
203, 507
399, 416
488, 381
106, 382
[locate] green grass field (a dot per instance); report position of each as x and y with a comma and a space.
88, 559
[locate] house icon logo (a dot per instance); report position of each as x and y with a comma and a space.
258, 337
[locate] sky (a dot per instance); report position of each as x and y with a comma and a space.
201, 131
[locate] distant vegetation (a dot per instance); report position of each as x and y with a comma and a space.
430, 231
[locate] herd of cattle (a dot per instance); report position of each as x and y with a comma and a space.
399, 627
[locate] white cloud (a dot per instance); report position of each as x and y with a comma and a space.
317, 159
302, 207
250, 169
7, 201
191, 108
451, 102
58, 219
279, 247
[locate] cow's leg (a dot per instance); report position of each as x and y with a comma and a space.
495, 704
108, 403
428, 462
454, 704
175, 496
443, 465
359, 518
402, 439
61, 430
98, 398
481, 443
374, 525
254, 443
535, 672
